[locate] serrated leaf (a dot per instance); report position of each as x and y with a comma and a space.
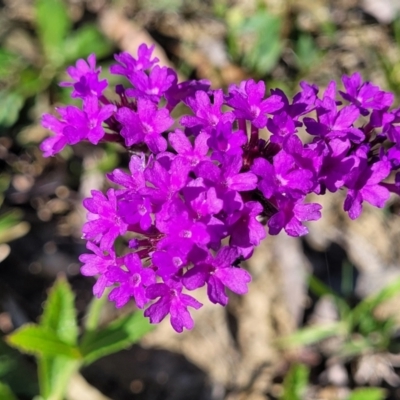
53, 24
41, 341
10, 106
59, 312
84, 41
6, 393
372, 393
117, 336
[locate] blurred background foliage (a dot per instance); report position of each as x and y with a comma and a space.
341, 342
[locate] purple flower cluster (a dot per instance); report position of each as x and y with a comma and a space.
201, 187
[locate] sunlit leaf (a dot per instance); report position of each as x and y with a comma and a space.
41, 341
59, 312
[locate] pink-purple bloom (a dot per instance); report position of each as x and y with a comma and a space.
201, 190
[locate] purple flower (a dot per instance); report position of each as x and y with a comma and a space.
248, 102
169, 262
180, 228
281, 126
208, 114
364, 95
129, 65
363, 183
166, 181
228, 177
203, 201
146, 125
335, 165
133, 181
132, 282
104, 224
192, 154
87, 124
135, 209
291, 213
283, 176
185, 92
333, 123
152, 86
225, 141
171, 301
218, 272
53, 144
216, 180
98, 264
85, 77
246, 232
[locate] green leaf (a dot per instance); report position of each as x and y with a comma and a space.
267, 44
10, 106
59, 312
117, 336
313, 334
320, 289
84, 41
53, 24
31, 81
93, 313
365, 308
371, 393
295, 383
306, 51
17, 372
54, 375
41, 341
10, 226
9, 63
6, 393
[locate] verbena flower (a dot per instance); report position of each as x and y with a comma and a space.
200, 191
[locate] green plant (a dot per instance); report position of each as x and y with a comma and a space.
360, 330
296, 383
59, 349
59, 46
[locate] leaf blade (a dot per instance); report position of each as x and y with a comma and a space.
117, 336
53, 23
59, 312
41, 341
